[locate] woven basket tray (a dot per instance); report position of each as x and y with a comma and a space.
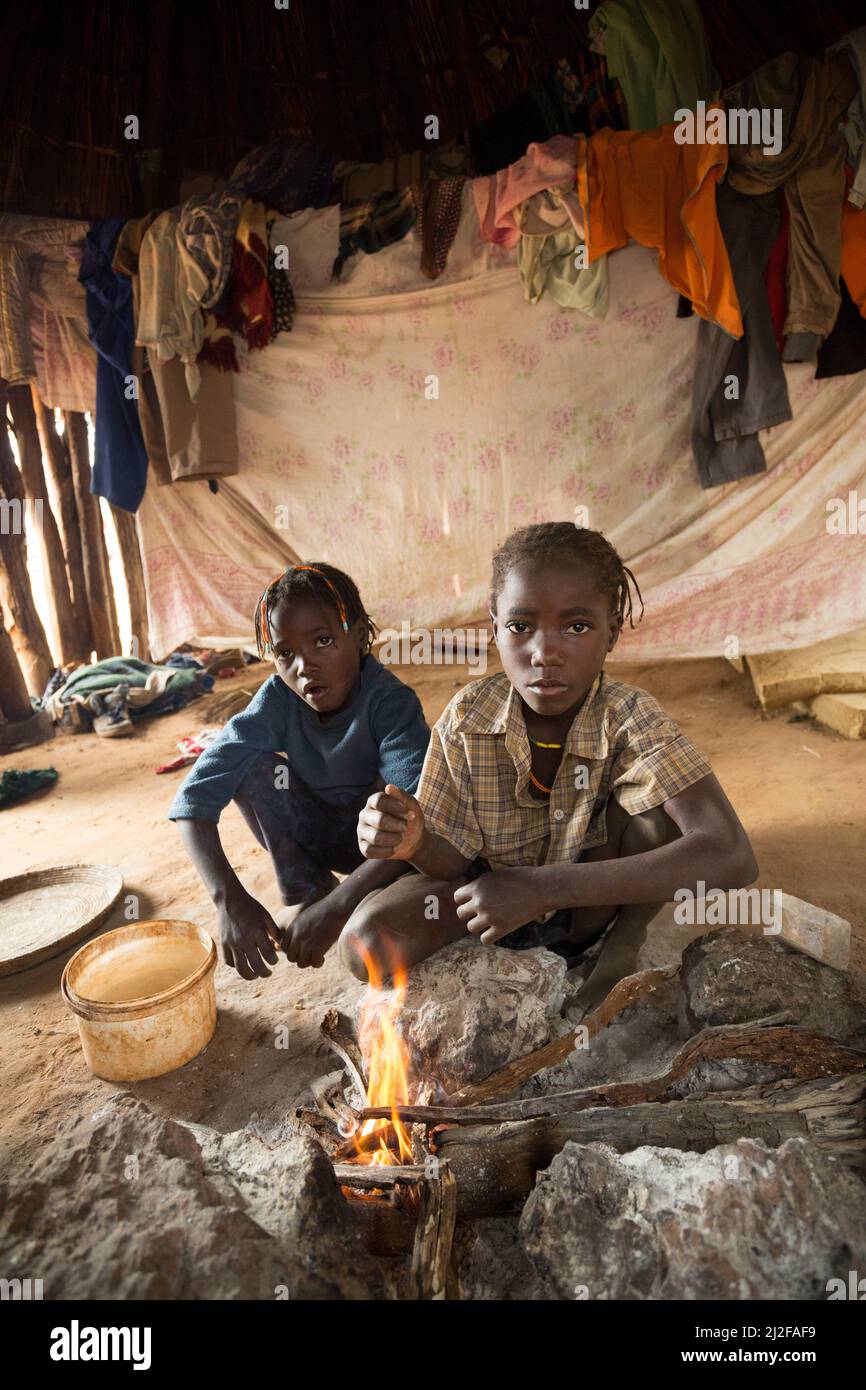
45, 911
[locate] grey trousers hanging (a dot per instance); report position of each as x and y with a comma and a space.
739, 383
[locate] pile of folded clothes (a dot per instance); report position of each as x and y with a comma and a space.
111, 695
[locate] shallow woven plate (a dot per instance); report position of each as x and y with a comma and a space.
46, 910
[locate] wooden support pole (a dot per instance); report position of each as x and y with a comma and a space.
130, 553
16, 595
108, 614
16, 701
72, 649
56, 460
102, 614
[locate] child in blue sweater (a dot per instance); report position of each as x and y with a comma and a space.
329, 728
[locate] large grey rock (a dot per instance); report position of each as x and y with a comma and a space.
802, 924
120, 1204
492, 1264
470, 1009
642, 1042
639, 1042
289, 1189
731, 976
739, 1222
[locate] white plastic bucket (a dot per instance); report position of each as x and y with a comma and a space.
144, 998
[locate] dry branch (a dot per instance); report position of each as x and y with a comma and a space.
336, 1029
496, 1164
322, 1129
434, 1236
327, 1094
379, 1174
802, 1052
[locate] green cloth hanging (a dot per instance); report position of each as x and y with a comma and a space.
658, 51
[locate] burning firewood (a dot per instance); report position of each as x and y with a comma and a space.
377, 1176
495, 1165
434, 1237
479, 1152
804, 1053
337, 1031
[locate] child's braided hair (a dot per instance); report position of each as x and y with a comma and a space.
562, 540
319, 581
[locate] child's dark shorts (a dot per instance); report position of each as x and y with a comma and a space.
554, 933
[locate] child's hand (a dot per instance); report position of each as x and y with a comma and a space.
391, 825
249, 935
499, 902
312, 933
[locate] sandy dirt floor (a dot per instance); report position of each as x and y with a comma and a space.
799, 790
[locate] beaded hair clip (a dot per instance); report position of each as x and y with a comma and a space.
263, 604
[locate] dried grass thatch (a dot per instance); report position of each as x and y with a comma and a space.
208, 82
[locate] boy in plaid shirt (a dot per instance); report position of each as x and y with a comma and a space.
556, 807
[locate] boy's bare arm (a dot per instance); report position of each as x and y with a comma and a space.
247, 931
713, 848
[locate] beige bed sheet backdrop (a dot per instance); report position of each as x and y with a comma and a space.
404, 427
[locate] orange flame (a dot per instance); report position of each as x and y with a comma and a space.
387, 1067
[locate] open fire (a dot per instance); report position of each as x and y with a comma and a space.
387, 1062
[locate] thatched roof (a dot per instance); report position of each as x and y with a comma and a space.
209, 81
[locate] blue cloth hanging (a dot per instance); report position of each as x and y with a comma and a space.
120, 462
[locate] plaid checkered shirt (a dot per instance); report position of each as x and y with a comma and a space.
474, 786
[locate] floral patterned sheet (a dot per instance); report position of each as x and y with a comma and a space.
404, 427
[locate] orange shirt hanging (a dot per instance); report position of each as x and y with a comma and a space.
853, 261
642, 184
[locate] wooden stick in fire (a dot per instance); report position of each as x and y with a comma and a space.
434, 1235
804, 1053
336, 1029
512, 1076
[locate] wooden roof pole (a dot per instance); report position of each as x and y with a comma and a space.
16, 702
102, 613
16, 595
130, 552
72, 649
56, 458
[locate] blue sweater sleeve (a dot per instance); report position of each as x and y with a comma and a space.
401, 731
218, 772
